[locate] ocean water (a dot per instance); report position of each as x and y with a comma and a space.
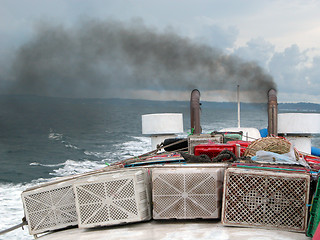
44, 138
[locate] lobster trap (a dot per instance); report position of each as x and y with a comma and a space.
113, 198
265, 199
187, 192
50, 207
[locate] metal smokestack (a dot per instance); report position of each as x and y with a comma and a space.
195, 112
272, 113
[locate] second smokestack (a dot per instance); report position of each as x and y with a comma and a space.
195, 112
272, 113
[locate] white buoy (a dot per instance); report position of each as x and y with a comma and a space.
298, 127
161, 126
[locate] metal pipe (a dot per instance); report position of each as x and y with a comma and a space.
272, 113
238, 100
195, 112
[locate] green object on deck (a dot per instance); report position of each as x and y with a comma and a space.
231, 137
315, 213
271, 168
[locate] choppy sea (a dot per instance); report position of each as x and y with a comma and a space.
43, 138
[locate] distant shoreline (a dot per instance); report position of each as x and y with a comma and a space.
303, 107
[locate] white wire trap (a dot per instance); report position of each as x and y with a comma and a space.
266, 199
50, 207
113, 198
187, 193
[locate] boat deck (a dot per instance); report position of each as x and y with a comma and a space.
174, 230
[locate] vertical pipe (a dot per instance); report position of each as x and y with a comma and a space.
195, 112
272, 113
238, 100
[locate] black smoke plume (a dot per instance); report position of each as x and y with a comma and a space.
98, 56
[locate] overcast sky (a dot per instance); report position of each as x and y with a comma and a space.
282, 37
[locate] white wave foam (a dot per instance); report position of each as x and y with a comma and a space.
69, 145
46, 165
133, 148
55, 136
98, 154
11, 210
60, 137
71, 167
136, 147
34, 164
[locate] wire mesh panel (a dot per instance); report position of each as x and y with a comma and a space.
113, 198
187, 193
266, 199
50, 207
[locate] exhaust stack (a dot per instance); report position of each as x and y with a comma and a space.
195, 112
272, 113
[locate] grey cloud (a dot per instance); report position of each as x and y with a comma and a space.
218, 37
257, 49
293, 70
284, 67
293, 73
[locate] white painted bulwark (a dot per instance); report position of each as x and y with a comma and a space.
162, 123
299, 123
298, 128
